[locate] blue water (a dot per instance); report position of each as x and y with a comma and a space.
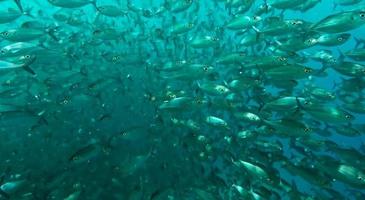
86, 121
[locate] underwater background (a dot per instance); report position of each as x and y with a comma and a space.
182, 99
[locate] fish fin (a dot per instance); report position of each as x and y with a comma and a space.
19, 5
93, 2
28, 69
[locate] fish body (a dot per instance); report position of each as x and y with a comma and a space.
22, 34
110, 10
340, 22
356, 54
204, 42
71, 3
9, 15
242, 22
286, 4
330, 114
182, 28
181, 5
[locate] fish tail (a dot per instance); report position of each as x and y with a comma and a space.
358, 42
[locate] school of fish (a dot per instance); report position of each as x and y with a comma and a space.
182, 100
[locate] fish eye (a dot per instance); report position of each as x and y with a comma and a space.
242, 54
347, 116
307, 129
5, 33
340, 39
114, 58
146, 12
360, 178
2, 51
124, 133
221, 89
282, 58
307, 70
190, 25
199, 101
362, 14
205, 68
27, 56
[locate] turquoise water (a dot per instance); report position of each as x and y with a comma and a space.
182, 99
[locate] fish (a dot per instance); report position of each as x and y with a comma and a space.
72, 3
285, 4
111, 11
356, 54
204, 42
330, 114
22, 34
243, 22
250, 99
85, 153
340, 22
24, 63
9, 15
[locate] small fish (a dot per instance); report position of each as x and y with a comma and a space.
204, 42
253, 170
9, 15
17, 49
356, 54
72, 3
181, 5
182, 28
111, 10
286, 4
285, 104
243, 22
333, 39
24, 62
326, 113
84, 154
340, 22
213, 89
22, 34
178, 103
215, 121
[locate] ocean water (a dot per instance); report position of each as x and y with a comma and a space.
182, 99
